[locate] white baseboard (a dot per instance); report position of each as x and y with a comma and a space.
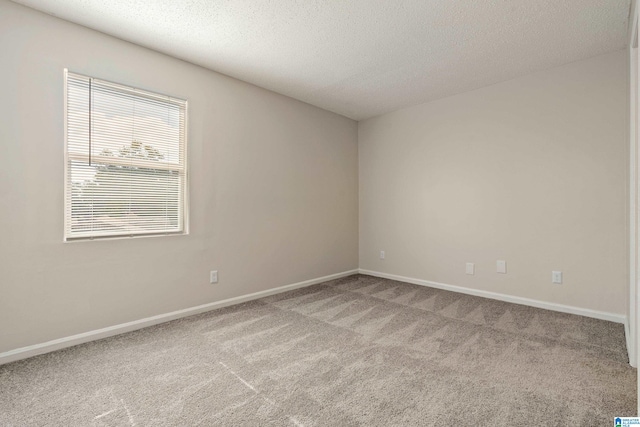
612, 317
49, 346
630, 349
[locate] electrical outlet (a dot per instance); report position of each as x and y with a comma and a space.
470, 268
213, 276
501, 266
556, 277
382, 254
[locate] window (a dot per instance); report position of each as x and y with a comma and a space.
125, 158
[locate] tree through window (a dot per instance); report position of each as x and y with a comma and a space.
126, 165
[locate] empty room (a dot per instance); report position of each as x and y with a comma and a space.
319, 213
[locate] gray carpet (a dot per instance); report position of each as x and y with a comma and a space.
355, 351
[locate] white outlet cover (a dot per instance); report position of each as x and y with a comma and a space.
556, 277
382, 254
213, 276
501, 266
470, 268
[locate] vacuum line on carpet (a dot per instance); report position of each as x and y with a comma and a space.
269, 401
128, 413
103, 415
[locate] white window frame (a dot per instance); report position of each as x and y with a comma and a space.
184, 209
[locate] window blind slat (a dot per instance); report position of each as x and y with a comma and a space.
126, 160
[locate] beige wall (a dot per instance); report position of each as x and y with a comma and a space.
532, 171
273, 189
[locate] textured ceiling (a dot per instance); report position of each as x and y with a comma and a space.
361, 58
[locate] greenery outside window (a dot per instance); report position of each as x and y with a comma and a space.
125, 160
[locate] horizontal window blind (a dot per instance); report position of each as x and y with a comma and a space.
125, 160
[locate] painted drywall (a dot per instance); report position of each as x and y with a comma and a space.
273, 189
533, 171
632, 307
